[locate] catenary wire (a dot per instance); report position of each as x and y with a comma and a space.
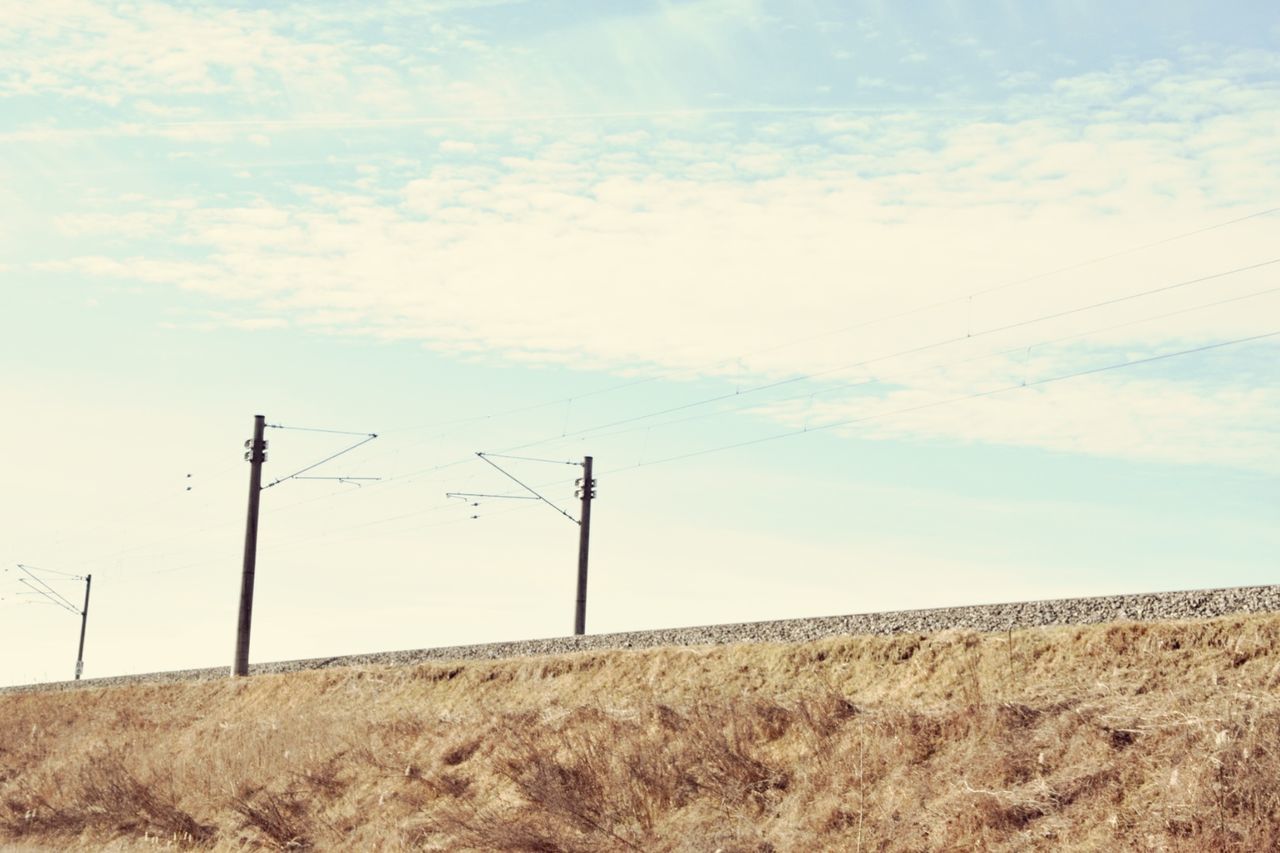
531, 459
314, 429
369, 437
899, 353
409, 476
37, 591
1038, 344
862, 324
1026, 279
864, 418
518, 482
69, 575
938, 403
711, 414
951, 400
865, 323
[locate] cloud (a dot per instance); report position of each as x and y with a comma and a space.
155, 61
676, 239
110, 52
456, 146
554, 262
1131, 415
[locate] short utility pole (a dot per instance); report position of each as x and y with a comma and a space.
586, 491
84, 623
256, 454
36, 585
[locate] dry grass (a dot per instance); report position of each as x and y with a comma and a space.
1130, 736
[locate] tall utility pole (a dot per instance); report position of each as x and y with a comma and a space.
256, 455
586, 492
84, 622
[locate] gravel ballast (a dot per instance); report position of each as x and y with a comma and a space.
1145, 607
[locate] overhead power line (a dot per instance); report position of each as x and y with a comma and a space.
491, 495
909, 312
39, 587
51, 597
368, 438
526, 487
803, 431
739, 393
1037, 344
411, 475
894, 377
528, 459
960, 399
899, 353
314, 429
886, 357
29, 568
454, 463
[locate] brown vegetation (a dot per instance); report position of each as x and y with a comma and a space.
1134, 736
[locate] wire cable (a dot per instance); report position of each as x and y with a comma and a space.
937, 403
960, 399
909, 312
704, 451
1039, 344
913, 350
530, 489
682, 420
899, 353
410, 476
44, 589
30, 568
314, 429
865, 323
530, 459
60, 602
369, 437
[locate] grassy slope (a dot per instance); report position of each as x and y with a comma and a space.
1163, 737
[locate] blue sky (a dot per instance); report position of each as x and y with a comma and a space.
863, 227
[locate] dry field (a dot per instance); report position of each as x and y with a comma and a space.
1127, 736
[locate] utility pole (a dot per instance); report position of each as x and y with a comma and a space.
38, 586
256, 455
587, 491
84, 622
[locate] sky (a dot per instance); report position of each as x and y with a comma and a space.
856, 305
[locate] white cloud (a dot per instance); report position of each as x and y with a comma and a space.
671, 245
69, 44
258, 323
1130, 415
456, 146
553, 262
169, 62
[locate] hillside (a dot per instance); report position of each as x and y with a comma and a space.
1160, 736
